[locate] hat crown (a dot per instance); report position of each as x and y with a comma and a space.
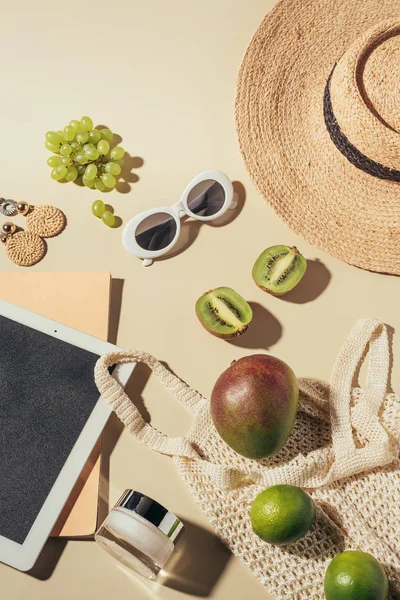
364, 94
380, 79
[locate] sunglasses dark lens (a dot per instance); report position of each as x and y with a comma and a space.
206, 198
156, 232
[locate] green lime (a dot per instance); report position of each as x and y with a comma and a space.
282, 514
355, 575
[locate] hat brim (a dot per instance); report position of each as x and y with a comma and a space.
283, 138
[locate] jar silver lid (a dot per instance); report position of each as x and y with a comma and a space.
152, 511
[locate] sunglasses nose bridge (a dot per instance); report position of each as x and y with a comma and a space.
179, 209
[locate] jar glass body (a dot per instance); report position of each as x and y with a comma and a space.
135, 542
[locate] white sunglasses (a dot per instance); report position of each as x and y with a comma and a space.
155, 232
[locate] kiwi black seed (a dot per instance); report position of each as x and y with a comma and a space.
279, 269
223, 312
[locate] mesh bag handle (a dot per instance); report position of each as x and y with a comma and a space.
318, 468
128, 413
365, 417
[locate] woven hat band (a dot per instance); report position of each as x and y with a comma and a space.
351, 152
360, 103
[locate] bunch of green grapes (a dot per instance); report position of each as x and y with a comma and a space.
80, 151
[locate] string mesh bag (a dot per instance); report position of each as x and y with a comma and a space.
344, 451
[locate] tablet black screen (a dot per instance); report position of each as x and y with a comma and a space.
47, 393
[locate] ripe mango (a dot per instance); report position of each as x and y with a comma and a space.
254, 405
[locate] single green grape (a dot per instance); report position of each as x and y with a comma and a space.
53, 161
52, 147
103, 147
53, 137
113, 168
60, 134
62, 171
90, 172
99, 185
75, 145
66, 149
82, 137
117, 152
88, 145
58, 172
94, 136
88, 182
92, 153
106, 135
81, 169
108, 218
86, 123
98, 207
108, 180
69, 133
55, 175
72, 174
81, 158
75, 124
65, 160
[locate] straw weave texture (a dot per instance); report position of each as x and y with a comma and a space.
46, 220
284, 140
25, 248
344, 449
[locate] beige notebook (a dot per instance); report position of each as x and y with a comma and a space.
80, 300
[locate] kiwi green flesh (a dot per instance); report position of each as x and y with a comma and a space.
223, 312
279, 269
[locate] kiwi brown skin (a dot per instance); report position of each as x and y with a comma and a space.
223, 313
278, 293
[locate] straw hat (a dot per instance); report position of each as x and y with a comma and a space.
318, 119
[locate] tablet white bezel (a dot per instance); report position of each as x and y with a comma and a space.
23, 556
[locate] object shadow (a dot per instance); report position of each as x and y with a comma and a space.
315, 281
126, 176
264, 331
117, 287
196, 565
190, 228
113, 430
391, 332
48, 559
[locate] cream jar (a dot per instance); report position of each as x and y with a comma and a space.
140, 533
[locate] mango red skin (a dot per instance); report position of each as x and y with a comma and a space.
254, 405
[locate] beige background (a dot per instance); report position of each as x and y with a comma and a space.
162, 75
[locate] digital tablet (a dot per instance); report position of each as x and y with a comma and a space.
51, 415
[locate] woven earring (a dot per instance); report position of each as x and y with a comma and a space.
24, 248
45, 220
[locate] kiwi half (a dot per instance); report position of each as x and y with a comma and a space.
223, 312
279, 269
